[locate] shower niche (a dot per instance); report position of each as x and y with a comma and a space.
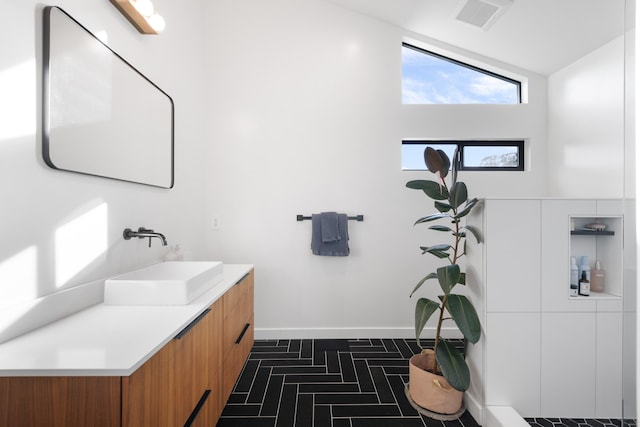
599, 239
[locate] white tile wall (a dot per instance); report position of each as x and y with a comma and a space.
608, 365
515, 280
568, 365
513, 361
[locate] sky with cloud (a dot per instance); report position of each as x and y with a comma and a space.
427, 79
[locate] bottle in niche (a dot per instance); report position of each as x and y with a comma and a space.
597, 278
584, 287
573, 282
584, 267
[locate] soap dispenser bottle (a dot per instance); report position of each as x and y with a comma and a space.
573, 281
175, 254
597, 278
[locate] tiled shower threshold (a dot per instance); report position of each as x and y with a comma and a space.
340, 383
579, 422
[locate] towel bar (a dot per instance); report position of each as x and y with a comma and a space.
353, 218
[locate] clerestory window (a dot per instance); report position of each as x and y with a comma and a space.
430, 78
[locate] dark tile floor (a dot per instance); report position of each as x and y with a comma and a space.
340, 383
327, 383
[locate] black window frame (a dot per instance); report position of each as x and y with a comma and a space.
460, 145
517, 83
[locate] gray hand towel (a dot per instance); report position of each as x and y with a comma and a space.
335, 248
329, 227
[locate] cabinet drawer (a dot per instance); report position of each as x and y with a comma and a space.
192, 366
241, 294
238, 311
235, 358
147, 393
166, 390
209, 412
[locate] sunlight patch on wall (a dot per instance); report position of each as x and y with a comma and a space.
80, 242
595, 158
19, 277
18, 101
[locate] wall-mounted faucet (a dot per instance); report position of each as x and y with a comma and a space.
142, 233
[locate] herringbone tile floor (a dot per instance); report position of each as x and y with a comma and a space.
327, 383
340, 383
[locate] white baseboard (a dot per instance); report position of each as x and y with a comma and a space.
474, 407
503, 416
347, 333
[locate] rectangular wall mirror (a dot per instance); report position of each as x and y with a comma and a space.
100, 115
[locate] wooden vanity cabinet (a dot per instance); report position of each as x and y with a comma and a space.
238, 330
186, 383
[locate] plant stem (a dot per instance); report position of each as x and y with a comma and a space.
440, 319
452, 261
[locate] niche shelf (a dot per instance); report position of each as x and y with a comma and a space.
592, 233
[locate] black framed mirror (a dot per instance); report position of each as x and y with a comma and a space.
101, 116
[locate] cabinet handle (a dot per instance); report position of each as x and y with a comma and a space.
187, 328
199, 406
244, 331
242, 278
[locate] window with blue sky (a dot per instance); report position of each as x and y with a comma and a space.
429, 78
474, 155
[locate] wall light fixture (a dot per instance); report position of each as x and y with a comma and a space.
141, 14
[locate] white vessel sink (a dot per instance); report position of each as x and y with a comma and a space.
166, 283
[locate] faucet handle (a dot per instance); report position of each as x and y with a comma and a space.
145, 230
128, 233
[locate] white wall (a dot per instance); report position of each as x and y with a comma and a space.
586, 125
305, 116
38, 203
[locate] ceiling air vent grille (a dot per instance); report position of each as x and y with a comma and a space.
481, 13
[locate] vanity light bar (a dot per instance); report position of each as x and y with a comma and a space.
141, 15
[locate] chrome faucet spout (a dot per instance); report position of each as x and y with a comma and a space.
143, 233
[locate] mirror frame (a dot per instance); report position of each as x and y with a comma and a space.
119, 165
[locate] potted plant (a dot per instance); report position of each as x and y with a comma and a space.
439, 376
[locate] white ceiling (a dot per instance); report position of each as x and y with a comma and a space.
537, 35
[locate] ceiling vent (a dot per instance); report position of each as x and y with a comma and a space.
481, 13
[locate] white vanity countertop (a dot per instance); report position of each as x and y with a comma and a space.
106, 340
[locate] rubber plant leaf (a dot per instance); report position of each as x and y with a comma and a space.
446, 164
421, 282
431, 188
448, 277
453, 366
467, 208
458, 194
455, 161
441, 228
437, 250
465, 316
463, 279
424, 309
433, 160
431, 217
474, 231
442, 207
